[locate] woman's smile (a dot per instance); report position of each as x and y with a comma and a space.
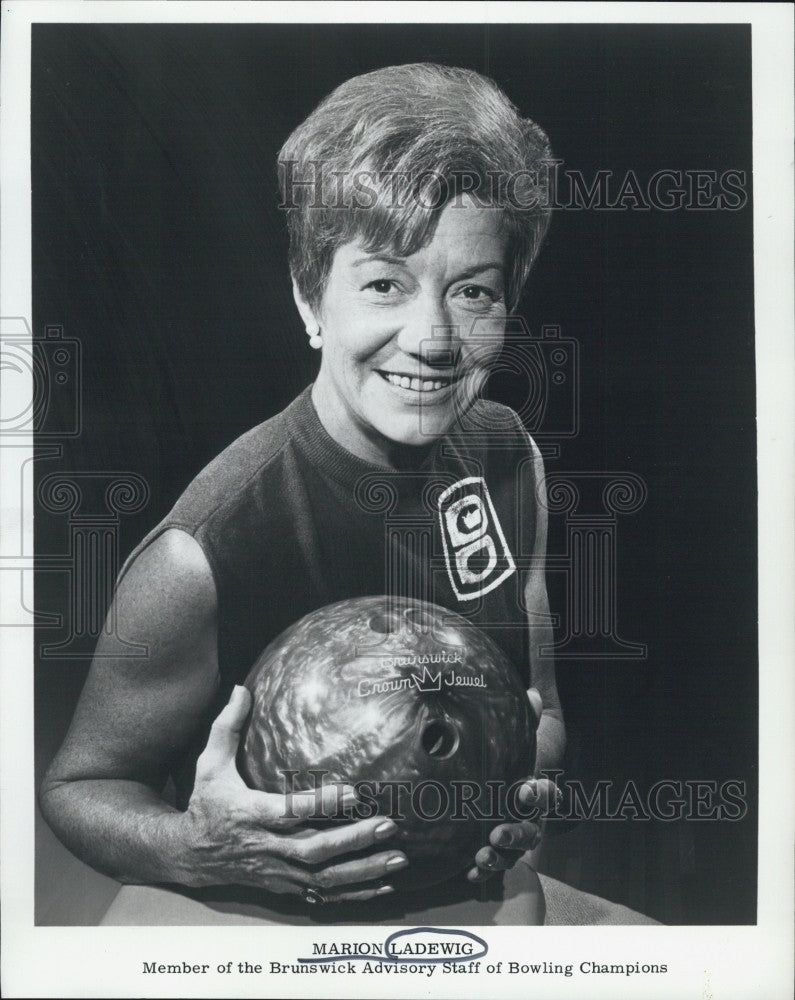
416, 383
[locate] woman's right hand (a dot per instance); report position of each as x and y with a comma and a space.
236, 835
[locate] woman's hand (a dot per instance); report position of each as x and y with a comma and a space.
509, 841
245, 837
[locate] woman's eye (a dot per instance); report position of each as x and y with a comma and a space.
382, 285
478, 293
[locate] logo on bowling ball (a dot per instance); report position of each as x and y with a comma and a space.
438, 745
426, 681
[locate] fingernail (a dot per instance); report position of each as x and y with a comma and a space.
237, 693
385, 829
489, 861
385, 889
397, 861
503, 839
528, 791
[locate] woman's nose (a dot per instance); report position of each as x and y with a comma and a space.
429, 334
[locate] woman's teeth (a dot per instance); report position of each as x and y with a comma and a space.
418, 385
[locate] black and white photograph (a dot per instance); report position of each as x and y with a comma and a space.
397, 566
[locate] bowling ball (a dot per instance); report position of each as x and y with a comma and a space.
376, 691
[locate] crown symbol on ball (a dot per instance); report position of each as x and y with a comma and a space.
426, 681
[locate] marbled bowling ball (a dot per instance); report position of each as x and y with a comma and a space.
377, 690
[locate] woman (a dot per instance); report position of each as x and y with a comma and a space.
415, 203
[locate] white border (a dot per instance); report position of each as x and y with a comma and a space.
719, 962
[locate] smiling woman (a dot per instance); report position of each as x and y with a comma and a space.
415, 203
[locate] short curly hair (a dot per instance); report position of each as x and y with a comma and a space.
382, 155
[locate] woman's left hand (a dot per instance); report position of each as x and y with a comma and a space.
509, 841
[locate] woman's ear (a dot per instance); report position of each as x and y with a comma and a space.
308, 317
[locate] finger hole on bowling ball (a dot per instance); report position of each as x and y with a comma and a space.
385, 623
439, 739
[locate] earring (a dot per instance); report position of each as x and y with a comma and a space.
315, 340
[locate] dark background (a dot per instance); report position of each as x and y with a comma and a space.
158, 244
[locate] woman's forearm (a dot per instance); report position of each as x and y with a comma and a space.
122, 828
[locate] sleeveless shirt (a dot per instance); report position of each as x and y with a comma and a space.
290, 521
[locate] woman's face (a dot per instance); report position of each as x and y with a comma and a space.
407, 342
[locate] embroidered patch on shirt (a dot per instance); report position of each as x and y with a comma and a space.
475, 550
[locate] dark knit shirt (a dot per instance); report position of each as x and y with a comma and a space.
290, 521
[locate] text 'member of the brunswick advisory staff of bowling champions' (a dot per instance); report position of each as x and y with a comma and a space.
415, 202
